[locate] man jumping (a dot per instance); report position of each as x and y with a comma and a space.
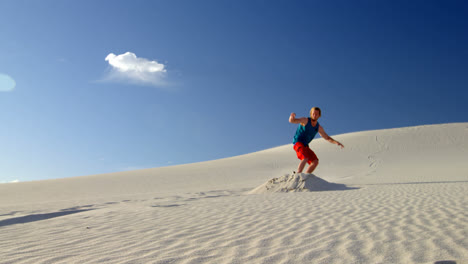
304, 134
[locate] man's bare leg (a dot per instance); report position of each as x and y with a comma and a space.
302, 165
312, 166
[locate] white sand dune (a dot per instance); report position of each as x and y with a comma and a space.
391, 196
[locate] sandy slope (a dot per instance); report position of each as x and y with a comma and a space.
403, 201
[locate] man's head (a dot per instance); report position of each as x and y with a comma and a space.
315, 113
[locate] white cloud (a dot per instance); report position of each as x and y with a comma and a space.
7, 83
128, 67
14, 181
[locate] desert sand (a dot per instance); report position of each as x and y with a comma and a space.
390, 196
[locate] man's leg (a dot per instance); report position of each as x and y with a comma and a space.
312, 166
302, 165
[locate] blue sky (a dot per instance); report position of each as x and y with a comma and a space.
190, 81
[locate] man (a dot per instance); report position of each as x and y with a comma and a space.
307, 130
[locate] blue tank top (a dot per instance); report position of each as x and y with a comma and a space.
305, 134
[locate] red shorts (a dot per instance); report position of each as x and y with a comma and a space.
304, 152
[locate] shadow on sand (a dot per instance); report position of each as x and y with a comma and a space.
37, 217
316, 184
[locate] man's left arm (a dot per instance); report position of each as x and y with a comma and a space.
328, 138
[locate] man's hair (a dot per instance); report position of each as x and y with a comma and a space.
315, 108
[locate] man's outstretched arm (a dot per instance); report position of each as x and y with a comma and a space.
328, 138
302, 120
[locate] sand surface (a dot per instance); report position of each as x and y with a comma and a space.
391, 196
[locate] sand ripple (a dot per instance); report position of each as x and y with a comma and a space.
389, 223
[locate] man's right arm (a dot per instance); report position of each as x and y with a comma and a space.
302, 120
